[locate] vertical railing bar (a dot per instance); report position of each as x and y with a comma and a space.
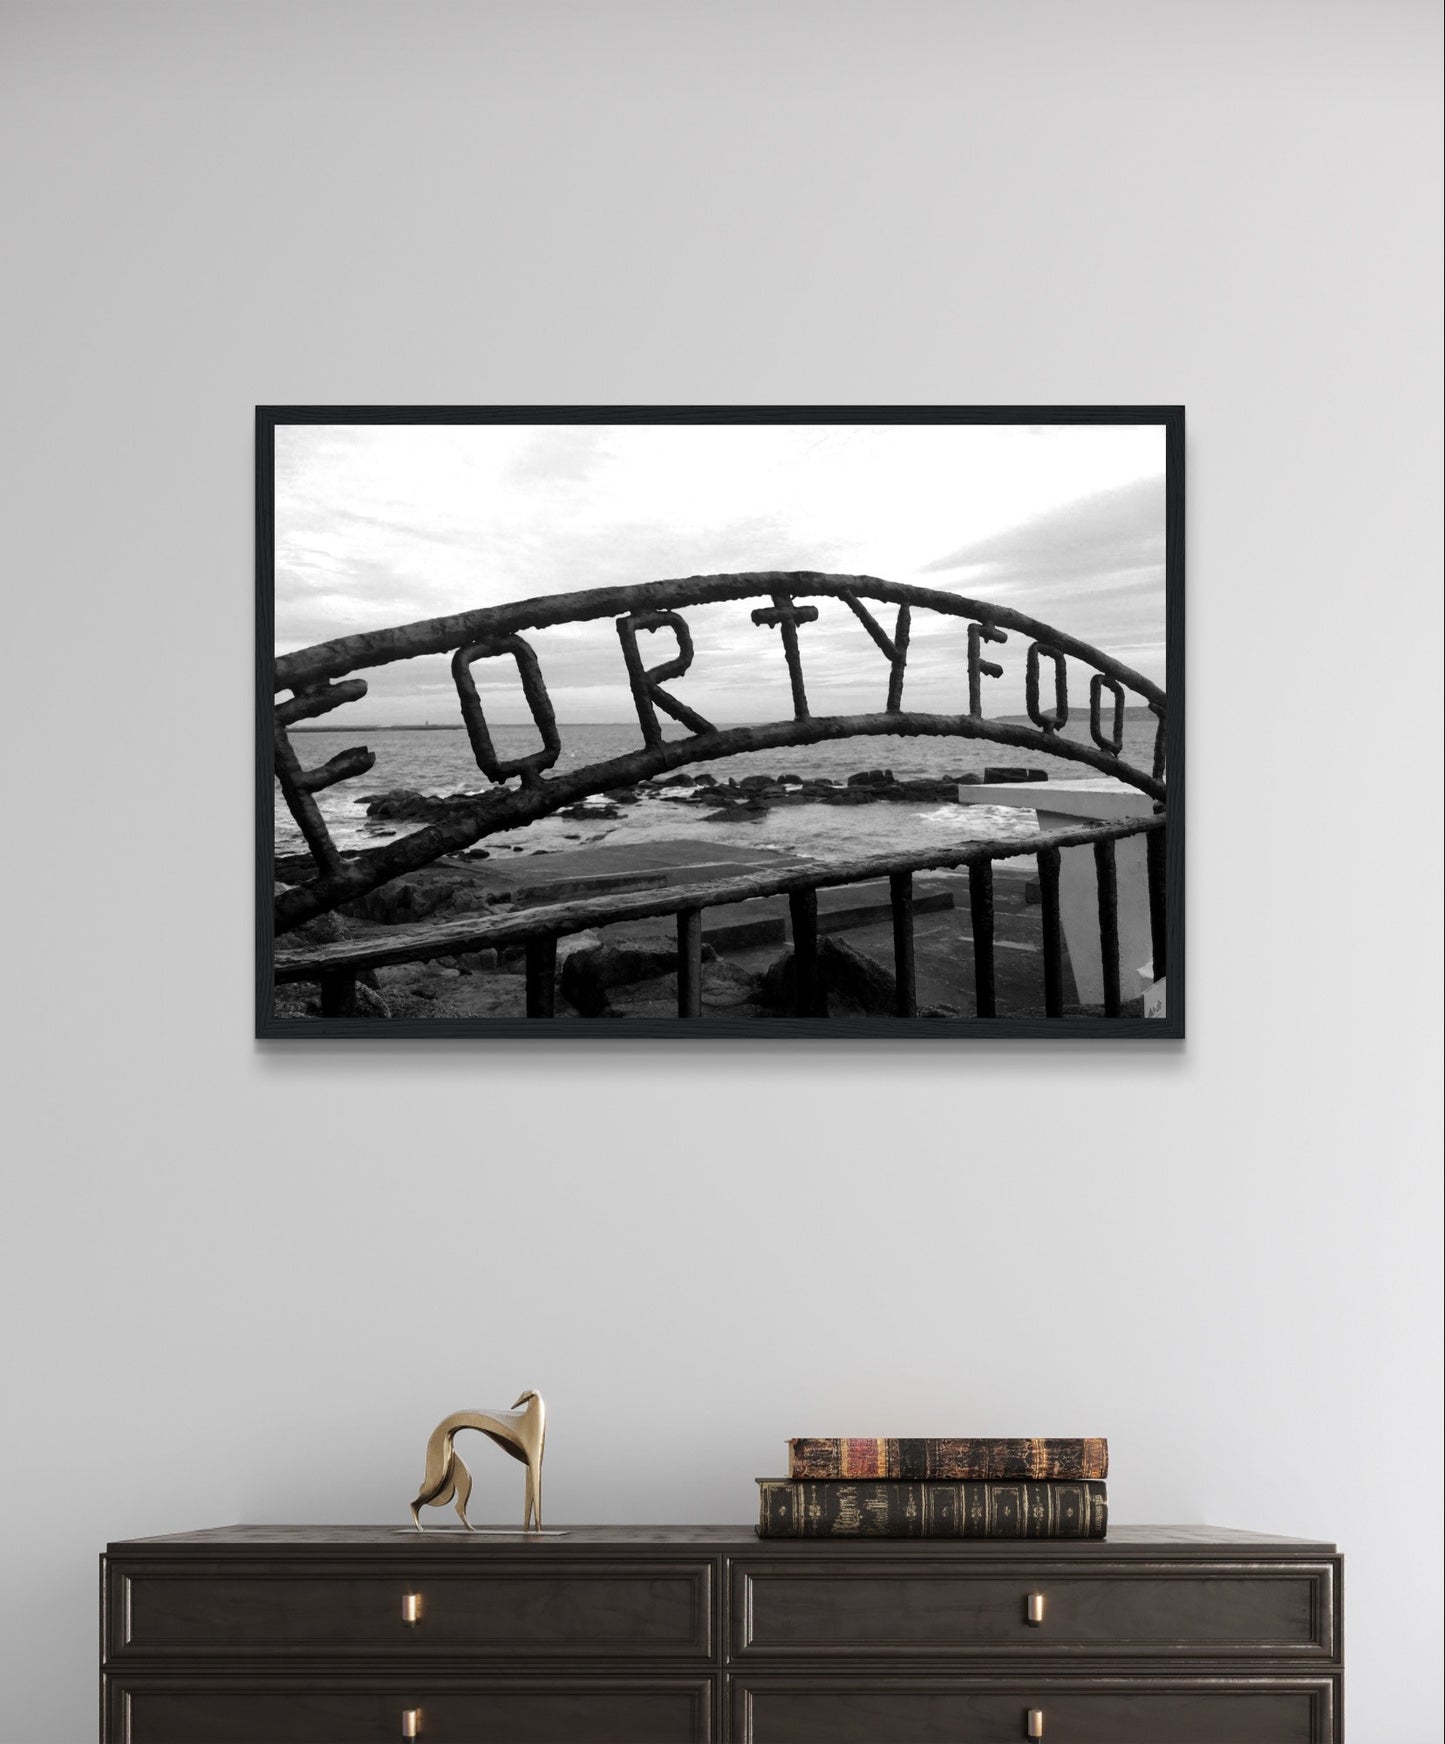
980, 905
1158, 933
338, 994
900, 892
689, 962
1108, 876
542, 975
803, 909
1048, 860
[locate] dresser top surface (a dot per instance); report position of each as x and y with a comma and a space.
1141, 1541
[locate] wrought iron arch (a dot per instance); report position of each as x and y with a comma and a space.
317, 678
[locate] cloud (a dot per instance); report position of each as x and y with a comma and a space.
382, 526
1111, 534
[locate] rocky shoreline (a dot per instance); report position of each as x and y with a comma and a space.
630, 969
729, 800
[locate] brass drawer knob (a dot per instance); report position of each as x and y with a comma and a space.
1035, 1608
1036, 1722
411, 1722
411, 1607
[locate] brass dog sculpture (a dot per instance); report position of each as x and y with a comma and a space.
520, 1433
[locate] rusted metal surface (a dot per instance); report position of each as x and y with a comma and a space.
900, 891
978, 667
785, 614
496, 631
689, 962
317, 678
1053, 932
299, 786
417, 944
647, 693
542, 975
510, 808
529, 768
980, 907
308, 667
1106, 870
810, 995
1058, 716
895, 647
1111, 742
338, 994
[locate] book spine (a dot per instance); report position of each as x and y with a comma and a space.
839, 1509
948, 1460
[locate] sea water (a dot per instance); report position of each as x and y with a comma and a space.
440, 761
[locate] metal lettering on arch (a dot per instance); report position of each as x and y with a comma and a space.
530, 672
318, 677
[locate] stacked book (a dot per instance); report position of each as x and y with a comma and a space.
946, 1488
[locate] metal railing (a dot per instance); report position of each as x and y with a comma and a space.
336, 966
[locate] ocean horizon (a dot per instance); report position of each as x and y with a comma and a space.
438, 760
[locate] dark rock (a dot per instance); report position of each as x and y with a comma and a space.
401, 901
295, 868
672, 781
476, 962
855, 983
970, 779
871, 778
756, 783
622, 796
923, 787
856, 977
404, 803
791, 780
736, 814
590, 810
586, 976
326, 929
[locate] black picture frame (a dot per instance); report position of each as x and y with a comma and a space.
1064, 1031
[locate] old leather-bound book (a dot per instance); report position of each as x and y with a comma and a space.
948, 1458
834, 1509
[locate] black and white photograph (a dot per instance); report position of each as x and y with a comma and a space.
638, 721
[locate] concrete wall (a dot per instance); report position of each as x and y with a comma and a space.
242, 1283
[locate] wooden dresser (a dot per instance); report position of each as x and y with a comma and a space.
686, 1634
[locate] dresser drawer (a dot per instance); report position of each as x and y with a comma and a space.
904, 1608
506, 1610
924, 1710
145, 1709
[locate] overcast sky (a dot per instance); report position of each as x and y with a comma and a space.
380, 525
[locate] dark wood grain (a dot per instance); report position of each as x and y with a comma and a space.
670, 1634
510, 1613
171, 1709
836, 1608
1094, 1711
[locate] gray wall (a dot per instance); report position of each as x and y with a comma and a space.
242, 1283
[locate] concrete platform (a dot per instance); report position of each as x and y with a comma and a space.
1060, 805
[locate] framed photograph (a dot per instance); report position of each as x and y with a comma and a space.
720, 721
